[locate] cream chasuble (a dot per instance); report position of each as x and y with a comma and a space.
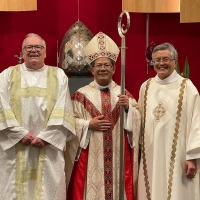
89, 102
170, 135
35, 101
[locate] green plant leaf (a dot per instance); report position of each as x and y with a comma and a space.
177, 68
186, 69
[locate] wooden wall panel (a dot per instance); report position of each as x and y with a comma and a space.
151, 6
18, 5
190, 11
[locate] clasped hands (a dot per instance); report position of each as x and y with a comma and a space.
29, 139
100, 124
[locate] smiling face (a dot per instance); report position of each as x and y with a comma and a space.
164, 63
103, 71
34, 59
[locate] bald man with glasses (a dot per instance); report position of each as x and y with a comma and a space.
36, 120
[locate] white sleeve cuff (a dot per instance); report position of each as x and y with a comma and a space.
192, 156
85, 136
128, 120
11, 136
55, 135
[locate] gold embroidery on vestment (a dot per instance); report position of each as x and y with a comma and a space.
23, 175
146, 178
57, 113
173, 151
15, 96
20, 166
51, 91
69, 118
159, 111
6, 115
38, 188
17, 93
176, 132
33, 92
61, 113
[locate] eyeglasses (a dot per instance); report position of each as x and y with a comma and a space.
105, 65
164, 60
29, 48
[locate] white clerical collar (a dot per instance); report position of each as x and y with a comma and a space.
170, 79
28, 69
102, 87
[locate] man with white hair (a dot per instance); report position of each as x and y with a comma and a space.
170, 139
36, 119
97, 111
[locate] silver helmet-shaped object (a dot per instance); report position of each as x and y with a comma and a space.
71, 56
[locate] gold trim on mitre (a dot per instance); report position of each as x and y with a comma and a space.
100, 46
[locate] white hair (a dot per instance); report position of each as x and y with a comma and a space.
33, 35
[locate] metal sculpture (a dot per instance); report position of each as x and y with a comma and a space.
71, 57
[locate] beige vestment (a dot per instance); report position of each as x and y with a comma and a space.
35, 101
171, 128
87, 101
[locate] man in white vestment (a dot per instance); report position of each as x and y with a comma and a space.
170, 133
36, 120
97, 110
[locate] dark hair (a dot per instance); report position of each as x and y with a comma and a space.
93, 62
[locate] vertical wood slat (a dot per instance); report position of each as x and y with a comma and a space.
190, 11
18, 5
151, 6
